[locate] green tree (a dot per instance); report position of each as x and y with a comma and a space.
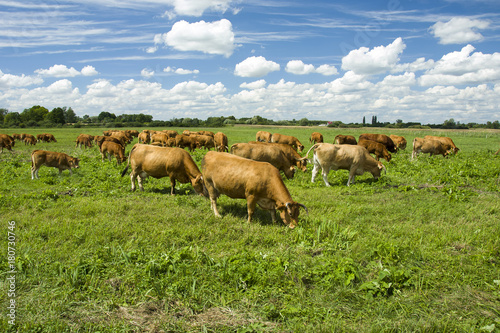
3, 112
105, 116
56, 116
36, 113
12, 119
70, 116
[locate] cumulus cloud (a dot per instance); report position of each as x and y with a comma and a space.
196, 7
63, 71
147, 73
463, 67
255, 67
376, 61
253, 85
180, 71
11, 81
458, 30
299, 68
208, 37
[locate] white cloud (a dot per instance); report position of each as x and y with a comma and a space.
418, 65
208, 37
147, 73
198, 7
89, 71
253, 85
459, 30
376, 61
11, 81
255, 67
63, 71
299, 68
463, 67
180, 71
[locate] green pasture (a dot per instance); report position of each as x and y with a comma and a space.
417, 250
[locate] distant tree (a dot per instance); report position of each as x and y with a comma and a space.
450, 124
364, 121
304, 122
56, 116
3, 112
70, 116
105, 116
36, 113
12, 119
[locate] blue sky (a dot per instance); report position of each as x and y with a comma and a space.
423, 61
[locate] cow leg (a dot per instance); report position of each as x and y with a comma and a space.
139, 181
352, 176
213, 205
251, 203
172, 180
324, 173
109, 156
133, 176
34, 172
314, 172
273, 215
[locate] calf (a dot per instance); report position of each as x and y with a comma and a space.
183, 141
258, 182
356, 159
433, 147
6, 142
375, 148
446, 141
52, 159
399, 141
381, 138
221, 142
263, 136
290, 140
316, 137
112, 148
265, 153
345, 140
159, 162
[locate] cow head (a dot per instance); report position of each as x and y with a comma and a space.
289, 213
300, 148
302, 163
73, 162
199, 185
378, 170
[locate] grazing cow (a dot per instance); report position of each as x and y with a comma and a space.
160, 138
258, 182
171, 133
99, 139
205, 141
29, 140
316, 137
112, 148
17, 136
144, 137
6, 141
263, 136
382, 138
212, 134
84, 140
290, 140
356, 159
375, 148
183, 141
265, 153
345, 140
159, 162
399, 141
290, 153
134, 133
448, 142
124, 138
433, 147
52, 159
221, 142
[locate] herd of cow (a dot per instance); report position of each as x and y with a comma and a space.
248, 171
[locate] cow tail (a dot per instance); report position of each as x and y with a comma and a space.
313, 147
128, 161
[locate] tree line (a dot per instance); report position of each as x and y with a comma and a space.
39, 116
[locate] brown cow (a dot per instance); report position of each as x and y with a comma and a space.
205, 141
221, 142
29, 140
382, 138
316, 137
433, 147
171, 133
263, 136
144, 137
112, 148
258, 182
399, 141
345, 140
448, 142
160, 138
183, 141
290, 140
159, 162
290, 153
375, 148
84, 140
265, 153
356, 159
6, 141
52, 159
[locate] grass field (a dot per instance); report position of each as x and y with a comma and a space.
417, 250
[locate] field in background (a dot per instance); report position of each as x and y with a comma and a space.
417, 250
